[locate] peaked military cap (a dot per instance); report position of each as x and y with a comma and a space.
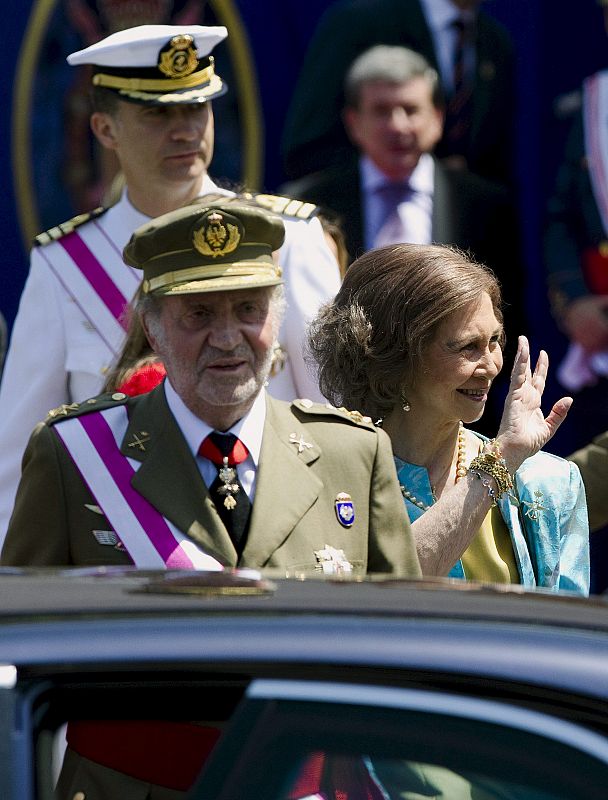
207, 247
157, 64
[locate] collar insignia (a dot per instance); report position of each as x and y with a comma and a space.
299, 442
139, 439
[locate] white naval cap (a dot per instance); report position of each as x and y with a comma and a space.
157, 64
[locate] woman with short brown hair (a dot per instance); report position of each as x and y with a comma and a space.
414, 340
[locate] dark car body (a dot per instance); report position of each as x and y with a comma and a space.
320, 688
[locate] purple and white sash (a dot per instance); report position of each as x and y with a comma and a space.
93, 441
90, 267
595, 122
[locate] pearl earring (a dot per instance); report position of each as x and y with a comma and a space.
405, 403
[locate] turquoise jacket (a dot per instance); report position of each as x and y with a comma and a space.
546, 517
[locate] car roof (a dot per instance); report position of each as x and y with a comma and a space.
111, 620
99, 591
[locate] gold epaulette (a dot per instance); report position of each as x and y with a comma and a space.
67, 227
356, 417
285, 206
99, 403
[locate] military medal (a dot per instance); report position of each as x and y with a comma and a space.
332, 561
228, 475
345, 510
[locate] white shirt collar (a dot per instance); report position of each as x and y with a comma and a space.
421, 180
249, 429
125, 219
209, 187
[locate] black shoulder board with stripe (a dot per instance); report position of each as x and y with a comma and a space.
67, 227
285, 206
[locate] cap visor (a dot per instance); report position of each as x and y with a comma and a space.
216, 88
223, 284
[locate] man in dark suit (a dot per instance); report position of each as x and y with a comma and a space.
479, 86
396, 191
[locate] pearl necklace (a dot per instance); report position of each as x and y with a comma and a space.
461, 470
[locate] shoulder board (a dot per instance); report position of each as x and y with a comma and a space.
99, 403
325, 409
286, 206
67, 227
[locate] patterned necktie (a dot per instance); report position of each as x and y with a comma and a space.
391, 229
460, 103
234, 507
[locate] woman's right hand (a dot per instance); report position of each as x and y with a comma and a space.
524, 429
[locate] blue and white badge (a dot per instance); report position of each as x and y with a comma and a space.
345, 510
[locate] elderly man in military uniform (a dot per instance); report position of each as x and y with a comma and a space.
207, 470
152, 92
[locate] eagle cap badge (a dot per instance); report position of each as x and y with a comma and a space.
178, 57
217, 235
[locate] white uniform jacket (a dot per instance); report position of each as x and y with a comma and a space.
58, 354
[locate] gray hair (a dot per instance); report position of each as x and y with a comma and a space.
392, 65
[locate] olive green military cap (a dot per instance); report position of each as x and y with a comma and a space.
207, 247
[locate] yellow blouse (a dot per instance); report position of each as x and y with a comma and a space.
490, 556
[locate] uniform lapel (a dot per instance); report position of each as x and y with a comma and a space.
169, 477
286, 487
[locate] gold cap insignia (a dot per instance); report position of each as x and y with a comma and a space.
178, 58
214, 238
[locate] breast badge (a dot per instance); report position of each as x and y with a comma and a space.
345, 510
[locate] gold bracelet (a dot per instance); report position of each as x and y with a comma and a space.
496, 468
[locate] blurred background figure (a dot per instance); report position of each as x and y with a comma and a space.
576, 257
392, 189
471, 52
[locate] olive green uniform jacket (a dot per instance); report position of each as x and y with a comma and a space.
592, 461
293, 514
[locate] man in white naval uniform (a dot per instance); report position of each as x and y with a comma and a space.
151, 91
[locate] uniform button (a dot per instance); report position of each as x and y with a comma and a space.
118, 396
